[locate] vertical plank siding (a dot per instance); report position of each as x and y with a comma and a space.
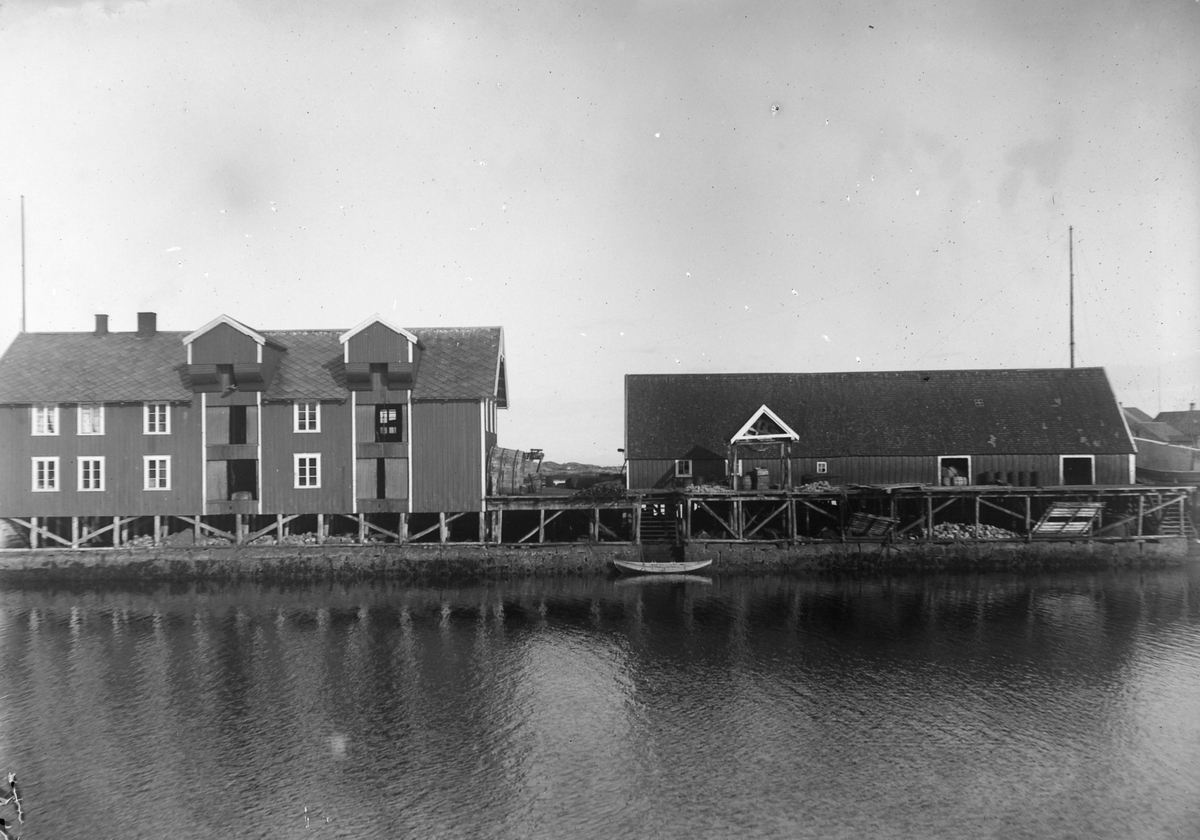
377, 343
280, 443
447, 468
123, 446
223, 345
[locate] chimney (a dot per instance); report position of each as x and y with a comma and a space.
147, 324
101, 325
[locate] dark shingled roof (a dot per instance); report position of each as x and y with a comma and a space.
1152, 429
897, 413
1187, 422
458, 363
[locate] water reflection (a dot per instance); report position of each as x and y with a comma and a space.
765, 707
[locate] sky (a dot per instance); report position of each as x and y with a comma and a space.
625, 187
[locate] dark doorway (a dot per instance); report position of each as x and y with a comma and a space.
243, 479
1077, 470
237, 425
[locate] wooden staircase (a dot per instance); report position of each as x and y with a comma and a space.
1173, 523
658, 528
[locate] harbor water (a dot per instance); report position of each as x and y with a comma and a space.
1004, 706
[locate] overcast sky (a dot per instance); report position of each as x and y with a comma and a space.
625, 187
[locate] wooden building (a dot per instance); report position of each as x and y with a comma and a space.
232, 420
1045, 427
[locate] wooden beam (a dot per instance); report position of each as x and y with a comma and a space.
763, 521
714, 515
540, 530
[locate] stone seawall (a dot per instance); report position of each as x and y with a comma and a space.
330, 562
930, 557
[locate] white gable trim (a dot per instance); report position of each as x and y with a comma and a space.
377, 319
225, 319
788, 434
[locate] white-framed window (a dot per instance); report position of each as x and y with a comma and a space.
822, 467
44, 477
156, 471
307, 470
306, 415
91, 419
157, 418
683, 468
91, 473
45, 419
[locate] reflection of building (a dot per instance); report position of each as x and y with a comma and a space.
232, 420
1024, 427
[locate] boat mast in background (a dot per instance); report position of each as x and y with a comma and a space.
22, 263
1071, 269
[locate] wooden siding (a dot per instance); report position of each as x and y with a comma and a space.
223, 345
122, 446
377, 343
914, 469
277, 477
447, 459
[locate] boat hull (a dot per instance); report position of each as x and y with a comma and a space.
641, 567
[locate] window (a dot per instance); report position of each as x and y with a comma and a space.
91, 420
683, 468
158, 419
389, 428
308, 469
822, 467
307, 416
45, 419
45, 475
91, 473
157, 472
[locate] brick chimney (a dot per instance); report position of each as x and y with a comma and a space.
101, 325
147, 324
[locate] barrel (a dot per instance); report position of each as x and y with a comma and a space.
987, 477
1023, 479
746, 481
506, 471
1012, 479
1035, 478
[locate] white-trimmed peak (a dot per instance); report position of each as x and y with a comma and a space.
225, 319
377, 319
764, 424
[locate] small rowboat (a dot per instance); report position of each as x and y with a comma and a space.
642, 567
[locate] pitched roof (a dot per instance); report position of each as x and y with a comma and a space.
1187, 422
896, 413
1152, 429
458, 363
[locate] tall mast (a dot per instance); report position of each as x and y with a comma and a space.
1071, 266
22, 263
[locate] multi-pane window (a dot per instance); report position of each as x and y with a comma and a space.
157, 472
822, 467
45, 475
91, 419
683, 468
158, 419
45, 419
308, 469
91, 473
307, 414
389, 427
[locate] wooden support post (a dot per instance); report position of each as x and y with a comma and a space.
541, 525
976, 534
688, 507
739, 520
499, 533
928, 518
116, 531
1141, 512
74, 532
1028, 516
320, 529
443, 532
637, 522
158, 530
791, 519
362, 529
402, 528
595, 525
33, 532
279, 528
237, 529
483, 518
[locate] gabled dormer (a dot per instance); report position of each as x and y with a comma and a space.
225, 355
764, 425
380, 356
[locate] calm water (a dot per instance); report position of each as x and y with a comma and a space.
989, 706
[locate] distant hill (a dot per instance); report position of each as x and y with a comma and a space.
573, 468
